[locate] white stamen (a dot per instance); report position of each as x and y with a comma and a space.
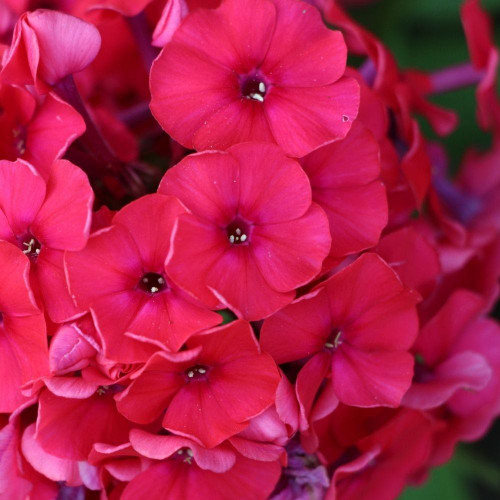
154, 289
201, 370
243, 237
180, 452
29, 245
161, 281
238, 231
257, 97
329, 345
337, 340
262, 87
191, 374
189, 452
231, 239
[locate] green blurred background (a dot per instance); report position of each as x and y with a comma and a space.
427, 35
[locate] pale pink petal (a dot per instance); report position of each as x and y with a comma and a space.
172, 15
52, 467
67, 44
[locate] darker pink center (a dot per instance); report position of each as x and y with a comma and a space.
152, 283
31, 247
238, 232
334, 340
253, 87
184, 454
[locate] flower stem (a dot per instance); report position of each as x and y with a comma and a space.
142, 34
455, 77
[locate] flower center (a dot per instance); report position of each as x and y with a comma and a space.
253, 87
152, 283
19, 136
184, 454
197, 372
334, 340
238, 232
31, 247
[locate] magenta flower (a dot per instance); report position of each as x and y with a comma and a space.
258, 236
120, 278
209, 392
45, 218
354, 333
254, 70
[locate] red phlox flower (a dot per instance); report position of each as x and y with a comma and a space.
209, 392
258, 235
468, 415
272, 77
47, 46
344, 180
443, 367
383, 462
188, 470
355, 333
120, 278
44, 218
23, 341
38, 132
477, 409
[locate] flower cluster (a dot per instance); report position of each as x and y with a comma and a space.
252, 277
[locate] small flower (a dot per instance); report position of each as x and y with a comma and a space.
254, 70
120, 278
252, 236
